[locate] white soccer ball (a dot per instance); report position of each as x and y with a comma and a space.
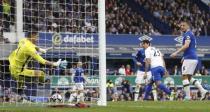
56, 98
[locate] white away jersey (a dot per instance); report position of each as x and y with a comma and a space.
155, 56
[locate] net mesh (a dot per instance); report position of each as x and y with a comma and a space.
68, 29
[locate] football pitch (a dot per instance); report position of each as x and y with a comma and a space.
126, 106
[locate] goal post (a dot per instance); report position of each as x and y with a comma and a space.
102, 52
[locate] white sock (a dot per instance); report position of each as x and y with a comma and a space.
81, 97
197, 84
186, 86
136, 95
154, 92
72, 97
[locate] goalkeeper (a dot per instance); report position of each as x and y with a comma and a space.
20, 57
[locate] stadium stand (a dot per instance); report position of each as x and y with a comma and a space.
122, 17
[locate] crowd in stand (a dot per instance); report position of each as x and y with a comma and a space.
121, 19
63, 15
172, 11
81, 16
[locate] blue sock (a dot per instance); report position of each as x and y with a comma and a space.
148, 89
164, 88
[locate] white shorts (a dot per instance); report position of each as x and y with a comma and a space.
188, 66
140, 77
78, 86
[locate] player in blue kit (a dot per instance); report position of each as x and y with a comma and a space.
78, 88
154, 60
141, 80
189, 61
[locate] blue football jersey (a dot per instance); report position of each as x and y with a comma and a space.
78, 76
190, 52
140, 56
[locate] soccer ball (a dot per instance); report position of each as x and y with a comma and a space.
56, 98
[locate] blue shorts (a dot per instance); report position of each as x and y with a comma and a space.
157, 73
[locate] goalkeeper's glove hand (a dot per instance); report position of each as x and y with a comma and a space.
57, 63
63, 64
60, 64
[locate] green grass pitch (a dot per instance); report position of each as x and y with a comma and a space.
126, 106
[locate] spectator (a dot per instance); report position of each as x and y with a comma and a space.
121, 70
204, 71
206, 85
128, 70
175, 70
198, 73
126, 91
111, 91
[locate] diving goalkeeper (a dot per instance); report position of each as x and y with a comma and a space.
20, 57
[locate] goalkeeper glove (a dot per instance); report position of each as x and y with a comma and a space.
63, 64
57, 63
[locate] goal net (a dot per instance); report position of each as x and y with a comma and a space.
70, 30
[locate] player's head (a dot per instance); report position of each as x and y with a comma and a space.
184, 26
33, 36
140, 45
79, 64
145, 44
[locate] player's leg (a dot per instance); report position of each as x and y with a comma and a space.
185, 78
28, 78
33, 74
158, 73
73, 95
193, 81
80, 96
138, 81
148, 89
147, 81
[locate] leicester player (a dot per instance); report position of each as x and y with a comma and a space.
189, 61
140, 80
20, 57
154, 60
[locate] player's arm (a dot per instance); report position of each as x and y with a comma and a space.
164, 65
147, 61
135, 59
183, 48
41, 60
41, 50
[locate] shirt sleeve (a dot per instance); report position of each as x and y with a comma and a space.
148, 53
34, 54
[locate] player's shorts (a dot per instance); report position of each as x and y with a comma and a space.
157, 73
140, 77
189, 66
78, 86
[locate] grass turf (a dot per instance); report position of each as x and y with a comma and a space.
129, 106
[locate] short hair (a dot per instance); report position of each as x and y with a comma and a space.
29, 35
186, 22
146, 42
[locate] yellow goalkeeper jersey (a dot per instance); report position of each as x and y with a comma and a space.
19, 58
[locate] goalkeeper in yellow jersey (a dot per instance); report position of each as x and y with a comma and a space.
20, 57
